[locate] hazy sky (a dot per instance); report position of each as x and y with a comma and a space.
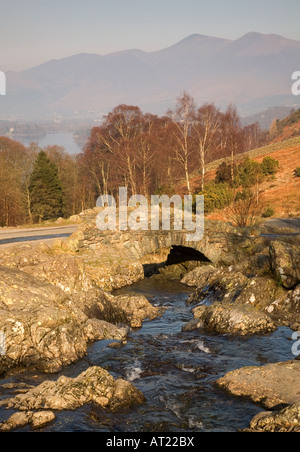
35, 31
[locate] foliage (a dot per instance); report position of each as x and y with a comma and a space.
242, 195
45, 189
216, 196
269, 212
269, 166
297, 172
248, 173
15, 165
245, 211
223, 173
146, 153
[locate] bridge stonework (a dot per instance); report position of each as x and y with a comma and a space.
114, 259
216, 245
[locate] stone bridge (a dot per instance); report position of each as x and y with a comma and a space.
146, 247
110, 260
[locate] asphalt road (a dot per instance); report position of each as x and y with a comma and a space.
291, 223
14, 236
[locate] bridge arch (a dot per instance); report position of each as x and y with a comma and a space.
147, 245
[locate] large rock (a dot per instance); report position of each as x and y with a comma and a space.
226, 318
269, 386
283, 421
134, 309
39, 329
75, 270
24, 255
292, 306
215, 284
42, 326
130, 310
285, 263
260, 292
201, 276
293, 300
98, 330
232, 303
64, 271
95, 385
84, 277
286, 309
36, 420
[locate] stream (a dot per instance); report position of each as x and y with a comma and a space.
175, 370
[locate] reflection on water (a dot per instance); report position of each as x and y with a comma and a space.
175, 370
64, 139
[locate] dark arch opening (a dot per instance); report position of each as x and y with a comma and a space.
180, 254
177, 255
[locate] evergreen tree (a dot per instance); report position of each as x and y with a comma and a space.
46, 197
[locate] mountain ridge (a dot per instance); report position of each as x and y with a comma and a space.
253, 71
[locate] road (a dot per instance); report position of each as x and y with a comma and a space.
14, 236
292, 223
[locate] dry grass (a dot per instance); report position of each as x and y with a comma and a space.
282, 193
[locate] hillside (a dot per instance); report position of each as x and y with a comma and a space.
282, 193
286, 128
267, 117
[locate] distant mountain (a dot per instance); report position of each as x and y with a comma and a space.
254, 72
266, 117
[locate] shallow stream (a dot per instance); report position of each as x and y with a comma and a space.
175, 370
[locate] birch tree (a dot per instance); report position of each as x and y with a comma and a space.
183, 117
207, 133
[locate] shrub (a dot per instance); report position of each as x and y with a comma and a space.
248, 173
223, 173
242, 195
217, 196
269, 212
251, 172
297, 172
246, 211
269, 166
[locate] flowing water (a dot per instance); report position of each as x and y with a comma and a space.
175, 370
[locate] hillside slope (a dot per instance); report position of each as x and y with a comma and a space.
286, 128
282, 193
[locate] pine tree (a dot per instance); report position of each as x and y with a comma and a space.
46, 197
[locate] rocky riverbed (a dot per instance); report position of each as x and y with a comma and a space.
56, 300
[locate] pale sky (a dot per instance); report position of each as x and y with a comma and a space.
35, 31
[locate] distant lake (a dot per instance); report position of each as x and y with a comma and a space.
64, 139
